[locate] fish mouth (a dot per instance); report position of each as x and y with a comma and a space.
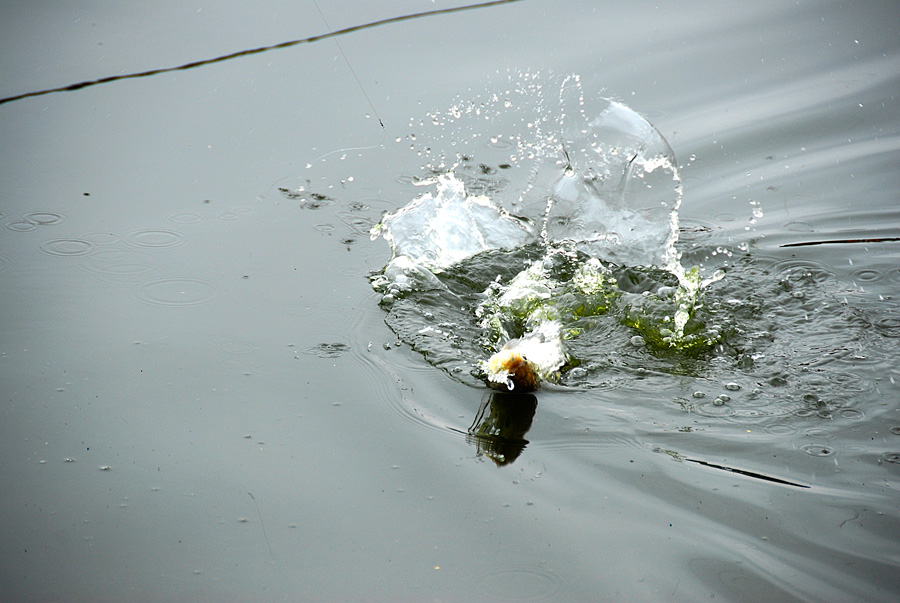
510, 371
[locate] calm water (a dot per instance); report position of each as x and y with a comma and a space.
201, 399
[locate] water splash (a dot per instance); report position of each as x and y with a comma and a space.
572, 215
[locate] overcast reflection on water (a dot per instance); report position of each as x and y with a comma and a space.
201, 399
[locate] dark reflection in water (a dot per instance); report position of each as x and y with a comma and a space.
498, 431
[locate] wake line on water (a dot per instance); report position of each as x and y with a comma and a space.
252, 51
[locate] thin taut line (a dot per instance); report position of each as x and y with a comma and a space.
359, 83
243, 53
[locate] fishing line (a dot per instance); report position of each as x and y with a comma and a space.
263, 526
346, 60
252, 51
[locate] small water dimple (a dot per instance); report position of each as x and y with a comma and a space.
328, 350
66, 247
895, 430
819, 450
177, 292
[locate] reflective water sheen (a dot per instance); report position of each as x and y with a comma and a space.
205, 398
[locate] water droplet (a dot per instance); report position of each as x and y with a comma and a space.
732, 386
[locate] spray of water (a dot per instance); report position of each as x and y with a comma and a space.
587, 185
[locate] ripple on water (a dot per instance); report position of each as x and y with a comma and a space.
361, 225
851, 414
177, 292
237, 347
44, 218
66, 247
715, 408
184, 217
389, 387
799, 227
891, 457
20, 226
894, 275
513, 583
819, 450
102, 238
867, 275
781, 429
119, 266
239, 356
156, 238
888, 326
819, 434
328, 350
817, 271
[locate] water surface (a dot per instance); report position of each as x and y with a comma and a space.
202, 400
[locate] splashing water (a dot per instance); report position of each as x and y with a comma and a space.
571, 217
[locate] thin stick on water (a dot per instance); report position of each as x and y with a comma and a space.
341, 50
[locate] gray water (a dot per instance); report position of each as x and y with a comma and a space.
201, 399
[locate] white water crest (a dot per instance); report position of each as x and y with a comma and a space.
586, 184
607, 182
